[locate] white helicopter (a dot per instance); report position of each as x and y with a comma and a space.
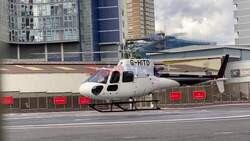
136, 78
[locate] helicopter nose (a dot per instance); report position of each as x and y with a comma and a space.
85, 90
90, 90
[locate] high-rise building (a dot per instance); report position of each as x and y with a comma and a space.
140, 18
63, 30
242, 28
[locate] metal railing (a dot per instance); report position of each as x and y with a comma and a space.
234, 93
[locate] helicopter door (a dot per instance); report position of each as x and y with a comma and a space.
128, 86
113, 86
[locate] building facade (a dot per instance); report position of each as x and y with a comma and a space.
68, 30
109, 28
242, 28
140, 18
5, 50
43, 21
3, 20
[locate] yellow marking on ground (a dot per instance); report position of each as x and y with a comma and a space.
65, 68
30, 68
3, 69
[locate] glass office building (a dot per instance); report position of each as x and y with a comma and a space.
109, 28
64, 30
35, 21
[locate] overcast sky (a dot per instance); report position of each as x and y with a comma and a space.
210, 20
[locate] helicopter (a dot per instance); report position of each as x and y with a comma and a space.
133, 78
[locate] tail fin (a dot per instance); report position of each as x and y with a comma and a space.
223, 67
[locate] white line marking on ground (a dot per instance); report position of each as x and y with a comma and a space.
208, 106
72, 125
81, 119
223, 133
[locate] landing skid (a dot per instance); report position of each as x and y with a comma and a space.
120, 108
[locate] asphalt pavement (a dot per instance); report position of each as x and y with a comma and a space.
210, 123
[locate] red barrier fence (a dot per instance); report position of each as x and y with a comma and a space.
199, 95
175, 96
84, 101
60, 100
7, 100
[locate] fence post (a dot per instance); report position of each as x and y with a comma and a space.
38, 104
47, 102
248, 93
20, 103
72, 102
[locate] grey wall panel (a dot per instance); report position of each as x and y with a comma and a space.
244, 33
242, 26
86, 29
244, 5
49, 83
32, 51
244, 41
241, 66
240, 13
109, 56
245, 19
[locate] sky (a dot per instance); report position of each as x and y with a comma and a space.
210, 20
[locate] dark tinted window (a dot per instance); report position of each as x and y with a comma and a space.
128, 76
115, 78
112, 36
112, 88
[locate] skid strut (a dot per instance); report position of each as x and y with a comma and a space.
120, 108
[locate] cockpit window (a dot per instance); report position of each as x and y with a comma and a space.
115, 78
101, 76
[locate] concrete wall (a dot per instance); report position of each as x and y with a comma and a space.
4, 33
38, 83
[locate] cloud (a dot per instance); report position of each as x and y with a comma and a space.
210, 20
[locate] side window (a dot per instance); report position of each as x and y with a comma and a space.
128, 76
112, 88
115, 78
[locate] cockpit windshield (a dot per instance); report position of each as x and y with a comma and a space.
101, 76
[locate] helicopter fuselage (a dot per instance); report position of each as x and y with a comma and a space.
130, 78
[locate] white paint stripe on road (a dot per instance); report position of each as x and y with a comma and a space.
71, 125
208, 106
